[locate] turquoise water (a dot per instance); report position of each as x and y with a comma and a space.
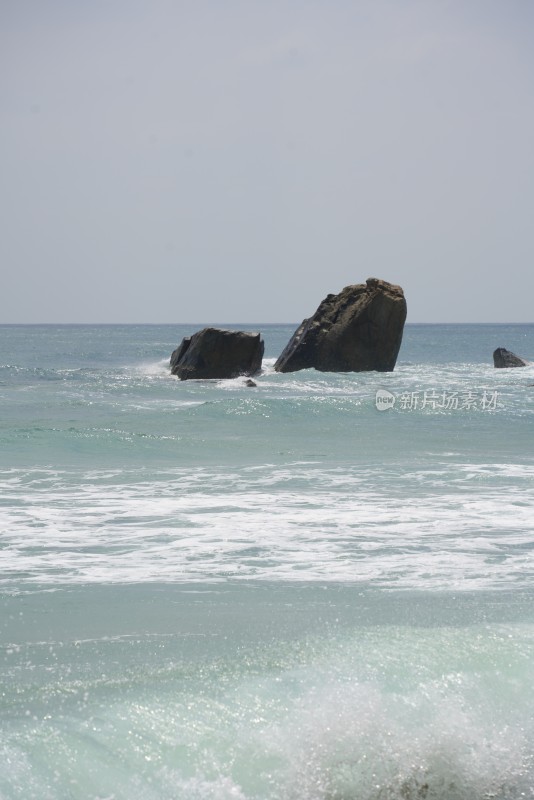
212, 591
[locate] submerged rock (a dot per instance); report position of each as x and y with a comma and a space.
504, 358
356, 330
216, 353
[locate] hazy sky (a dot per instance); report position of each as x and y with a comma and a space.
202, 161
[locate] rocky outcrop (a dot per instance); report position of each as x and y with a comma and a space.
504, 358
216, 353
357, 330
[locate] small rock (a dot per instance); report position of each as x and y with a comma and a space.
504, 358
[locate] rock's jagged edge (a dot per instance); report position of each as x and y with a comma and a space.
359, 329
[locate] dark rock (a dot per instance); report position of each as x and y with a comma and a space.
215, 353
504, 358
356, 330
250, 383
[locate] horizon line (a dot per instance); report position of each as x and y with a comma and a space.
211, 324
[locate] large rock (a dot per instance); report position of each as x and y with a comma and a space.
504, 358
215, 353
356, 330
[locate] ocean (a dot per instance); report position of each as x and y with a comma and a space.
298, 591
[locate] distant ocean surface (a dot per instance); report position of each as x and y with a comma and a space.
215, 592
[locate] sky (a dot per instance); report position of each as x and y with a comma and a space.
177, 161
